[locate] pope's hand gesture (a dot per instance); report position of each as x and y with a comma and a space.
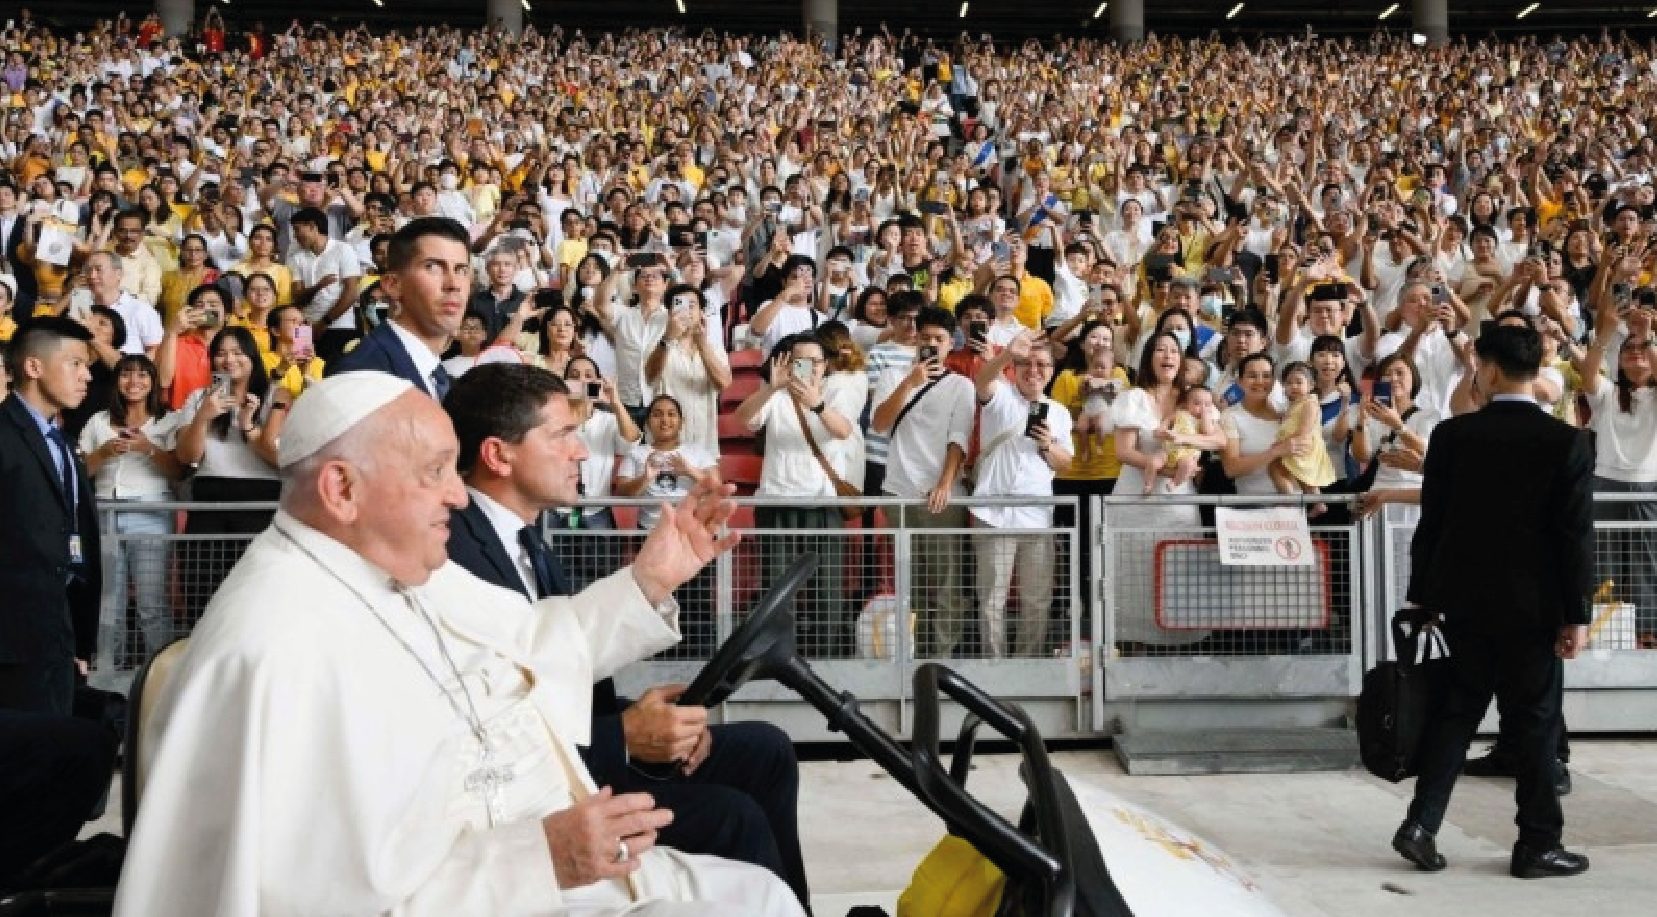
684, 540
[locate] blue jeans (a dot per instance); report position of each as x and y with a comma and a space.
136, 554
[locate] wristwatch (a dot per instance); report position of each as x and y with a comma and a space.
818, 410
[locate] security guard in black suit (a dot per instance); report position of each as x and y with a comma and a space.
50, 576
733, 788
1504, 555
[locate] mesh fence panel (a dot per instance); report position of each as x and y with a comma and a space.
1172, 597
1625, 601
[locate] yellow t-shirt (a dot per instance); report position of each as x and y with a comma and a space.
293, 380
1094, 454
1035, 302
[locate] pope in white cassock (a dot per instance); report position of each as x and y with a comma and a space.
361, 727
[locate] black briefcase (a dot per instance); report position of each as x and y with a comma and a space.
1398, 698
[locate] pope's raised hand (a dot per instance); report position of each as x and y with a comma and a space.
685, 539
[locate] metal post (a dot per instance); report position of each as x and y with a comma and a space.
176, 15
507, 14
901, 584
1432, 19
822, 19
1127, 21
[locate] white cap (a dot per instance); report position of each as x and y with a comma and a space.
330, 408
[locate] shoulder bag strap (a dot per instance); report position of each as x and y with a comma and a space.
835, 480
911, 405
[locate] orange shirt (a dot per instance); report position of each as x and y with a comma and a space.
191, 370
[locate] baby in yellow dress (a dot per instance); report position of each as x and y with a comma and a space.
1311, 471
1195, 403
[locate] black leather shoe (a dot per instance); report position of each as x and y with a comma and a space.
1493, 764
1413, 843
1546, 864
1562, 780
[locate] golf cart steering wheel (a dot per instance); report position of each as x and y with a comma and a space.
761, 643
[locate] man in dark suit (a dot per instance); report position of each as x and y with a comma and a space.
1504, 555
429, 278
50, 578
732, 788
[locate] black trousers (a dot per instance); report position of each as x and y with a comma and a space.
1522, 670
206, 562
53, 771
741, 804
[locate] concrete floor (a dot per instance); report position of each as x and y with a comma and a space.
1318, 844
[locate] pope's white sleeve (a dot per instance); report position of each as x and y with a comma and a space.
619, 624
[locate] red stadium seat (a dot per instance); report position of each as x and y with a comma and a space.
741, 469
747, 358
733, 430
742, 385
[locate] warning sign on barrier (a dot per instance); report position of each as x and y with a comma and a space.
1276, 536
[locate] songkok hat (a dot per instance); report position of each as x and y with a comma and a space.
330, 408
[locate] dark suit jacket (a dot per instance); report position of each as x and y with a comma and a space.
380, 350
474, 545
1506, 537
43, 615
24, 304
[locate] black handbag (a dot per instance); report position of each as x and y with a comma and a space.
1398, 698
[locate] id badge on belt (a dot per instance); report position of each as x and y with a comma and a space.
77, 554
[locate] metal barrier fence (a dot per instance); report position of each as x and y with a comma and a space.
1010, 604
897, 584
1182, 626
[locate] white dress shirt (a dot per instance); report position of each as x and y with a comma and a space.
507, 525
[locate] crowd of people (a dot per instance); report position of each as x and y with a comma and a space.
1008, 270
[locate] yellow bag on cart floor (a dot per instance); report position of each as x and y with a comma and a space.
954, 880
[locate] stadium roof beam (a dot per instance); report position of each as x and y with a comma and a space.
1432, 19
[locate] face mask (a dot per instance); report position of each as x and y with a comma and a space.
448, 181
1184, 338
524, 280
1211, 305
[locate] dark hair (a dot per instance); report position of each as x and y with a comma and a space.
1075, 357
1190, 348
860, 308
905, 301
545, 336
1516, 351
195, 295
1415, 377
258, 381
651, 408
312, 217
273, 318
117, 324
1329, 343
400, 253
974, 301
935, 317
1299, 366
40, 338
153, 402
1145, 377
247, 281
497, 400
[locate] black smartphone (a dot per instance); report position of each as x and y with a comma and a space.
1374, 223
1037, 417
978, 332
1271, 264
1382, 392
641, 259
1646, 299
702, 240
1622, 293
594, 390
1328, 291
927, 353
934, 208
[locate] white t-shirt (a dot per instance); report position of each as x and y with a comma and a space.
636, 336
338, 259
132, 475
230, 457
790, 469
1421, 423
918, 446
1254, 435
1435, 361
664, 483
790, 319
1010, 464
1627, 446
143, 324
602, 436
